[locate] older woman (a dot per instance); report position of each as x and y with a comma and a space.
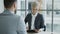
35, 20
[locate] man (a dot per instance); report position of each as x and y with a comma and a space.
9, 22
35, 20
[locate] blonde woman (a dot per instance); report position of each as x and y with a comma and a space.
35, 20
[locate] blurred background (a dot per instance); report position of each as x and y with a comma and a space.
49, 8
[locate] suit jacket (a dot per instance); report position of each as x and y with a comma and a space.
11, 23
39, 21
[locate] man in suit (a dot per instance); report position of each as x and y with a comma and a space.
9, 22
35, 20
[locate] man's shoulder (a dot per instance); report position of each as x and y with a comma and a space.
29, 14
17, 16
40, 14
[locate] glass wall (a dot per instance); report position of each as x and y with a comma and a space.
21, 8
56, 15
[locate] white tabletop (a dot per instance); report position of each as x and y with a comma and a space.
45, 33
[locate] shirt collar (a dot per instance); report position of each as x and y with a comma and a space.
35, 14
12, 12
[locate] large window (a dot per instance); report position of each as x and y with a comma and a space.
21, 8
50, 10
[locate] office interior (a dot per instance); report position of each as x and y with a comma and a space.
50, 9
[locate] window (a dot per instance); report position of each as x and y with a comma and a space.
22, 4
21, 8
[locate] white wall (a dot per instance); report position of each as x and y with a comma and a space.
1, 6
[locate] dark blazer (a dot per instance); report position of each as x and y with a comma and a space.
39, 21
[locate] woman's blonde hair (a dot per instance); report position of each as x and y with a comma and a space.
33, 4
40, 2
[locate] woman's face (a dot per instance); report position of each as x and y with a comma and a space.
34, 10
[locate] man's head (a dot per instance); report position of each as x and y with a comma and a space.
34, 8
10, 4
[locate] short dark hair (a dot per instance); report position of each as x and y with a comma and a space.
9, 3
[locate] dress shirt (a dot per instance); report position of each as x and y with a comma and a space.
33, 20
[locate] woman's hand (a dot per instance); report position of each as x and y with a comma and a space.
37, 30
27, 28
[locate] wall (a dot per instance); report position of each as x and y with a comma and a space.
1, 6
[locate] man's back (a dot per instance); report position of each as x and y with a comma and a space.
11, 24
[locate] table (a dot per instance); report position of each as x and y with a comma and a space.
43, 33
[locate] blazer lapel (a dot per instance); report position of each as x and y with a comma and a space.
35, 22
30, 21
